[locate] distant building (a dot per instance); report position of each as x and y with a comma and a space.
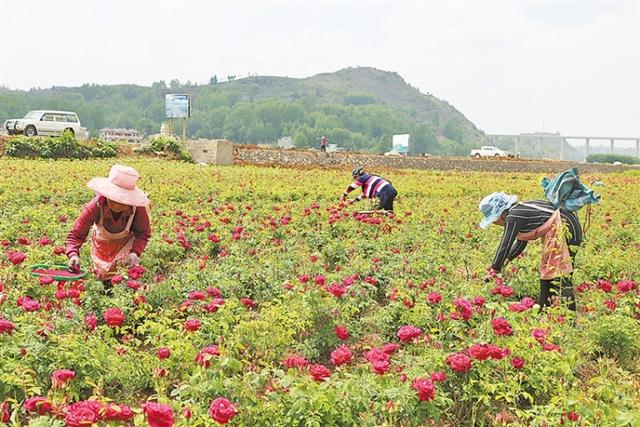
114, 135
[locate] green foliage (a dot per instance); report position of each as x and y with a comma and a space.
618, 337
64, 146
163, 144
610, 158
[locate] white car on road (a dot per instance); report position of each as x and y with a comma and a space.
46, 122
489, 151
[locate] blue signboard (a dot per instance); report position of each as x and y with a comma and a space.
177, 106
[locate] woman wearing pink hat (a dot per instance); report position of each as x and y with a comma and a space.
119, 222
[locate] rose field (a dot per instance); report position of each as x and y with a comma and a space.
261, 301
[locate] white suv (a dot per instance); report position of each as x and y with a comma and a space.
46, 122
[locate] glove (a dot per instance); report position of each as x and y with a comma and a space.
74, 261
131, 260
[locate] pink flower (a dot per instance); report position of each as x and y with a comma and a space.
604, 285
320, 280
408, 333
380, 367
390, 348
425, 388
501, 326
610, 304
459, 362
540, 335
45, 280
136, 272
319, 372
192, 325
221, 410
463, 308
342, 332
337, 290
434, 298
206, 354
59, 377
625, 286
479, 351
341, 355
113, 316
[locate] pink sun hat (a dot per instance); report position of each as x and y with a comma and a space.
120, 186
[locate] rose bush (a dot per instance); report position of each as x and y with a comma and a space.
281, 300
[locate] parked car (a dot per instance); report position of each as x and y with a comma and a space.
46, 122
489, 151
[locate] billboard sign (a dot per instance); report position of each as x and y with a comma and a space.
400, 143
177, 105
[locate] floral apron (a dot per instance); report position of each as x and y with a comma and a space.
556, 260
108, 248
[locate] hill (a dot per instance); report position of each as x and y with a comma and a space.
358, 108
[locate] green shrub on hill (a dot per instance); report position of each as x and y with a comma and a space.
65, 146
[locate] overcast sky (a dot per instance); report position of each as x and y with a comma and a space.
509, 66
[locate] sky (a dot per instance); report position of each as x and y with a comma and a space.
508, 66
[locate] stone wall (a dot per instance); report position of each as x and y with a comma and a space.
250, 154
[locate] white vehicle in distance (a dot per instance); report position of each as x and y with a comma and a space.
489, 151
46, 122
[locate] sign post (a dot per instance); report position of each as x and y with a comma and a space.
400, 143
178, 106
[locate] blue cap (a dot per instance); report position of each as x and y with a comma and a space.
493, 205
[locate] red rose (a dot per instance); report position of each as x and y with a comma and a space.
163, 353
390, 348
517, 363
380, 367
463, 308
81, 417
319, 372
222, 410
158, 415
192, 325
501, 326
15, 257
206, 354
45, 280
40, 405
59, 377
408, 333
5, 412
434, 297
438, 377
197, 295
295, 361
342, 332
117, 279
91, 321
341, 355
6, 327
459, 362
425, 388
116, 412
248, 302
113, 316
479, 351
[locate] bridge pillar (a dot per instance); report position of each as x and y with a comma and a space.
637, 147
586, 149
562, 149
611, 146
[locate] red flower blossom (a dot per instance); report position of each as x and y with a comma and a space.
408, 333
163, 353
463, 308
192, 325
206, 354
342, 332
158, 415
45, 280
116, 412
434, 297
40, 405
248, 302
6, 327
91, 321
221, 410
341, 355
295, 361
59, 377
438, 376
479, 351
517, 363
113, 316
390, 348
501, 326
15, 257
319, 372
459, 362
425, 388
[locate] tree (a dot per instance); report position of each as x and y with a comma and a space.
213, 80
